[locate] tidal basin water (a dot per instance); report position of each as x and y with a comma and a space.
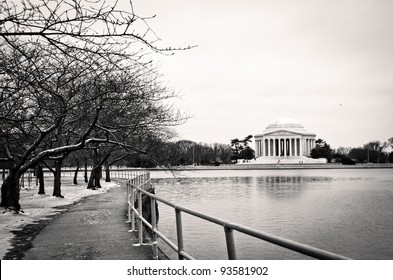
345, 211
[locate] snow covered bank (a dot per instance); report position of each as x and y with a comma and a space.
38, 207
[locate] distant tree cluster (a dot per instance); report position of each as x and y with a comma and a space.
372, 152
322, 150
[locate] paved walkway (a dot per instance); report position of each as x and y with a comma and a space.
95, 229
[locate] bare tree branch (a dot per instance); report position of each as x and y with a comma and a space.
98, 28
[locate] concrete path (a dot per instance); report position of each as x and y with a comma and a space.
94, 229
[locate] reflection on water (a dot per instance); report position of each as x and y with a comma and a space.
349, 212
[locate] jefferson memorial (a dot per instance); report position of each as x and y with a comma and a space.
285, 141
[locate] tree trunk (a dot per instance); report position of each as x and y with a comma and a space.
57, 182
98, 177
86, 180
90, 184
96, 171
107, 172
76, 173
4, 191
94, 180
10, 191
40, 175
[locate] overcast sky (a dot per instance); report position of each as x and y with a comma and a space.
326, 64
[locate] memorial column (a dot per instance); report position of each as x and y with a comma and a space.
295, 147
306, 149
267, 147
301, 146
259, 148
262, 147
256, 148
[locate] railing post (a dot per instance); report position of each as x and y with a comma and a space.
179, 230
140, 223
128, 201
132, 205
154, 227
230, 243
128, 183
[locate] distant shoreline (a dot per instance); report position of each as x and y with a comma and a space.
245, 166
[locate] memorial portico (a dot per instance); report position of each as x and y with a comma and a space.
285, 140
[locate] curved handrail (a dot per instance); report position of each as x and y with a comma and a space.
135, 186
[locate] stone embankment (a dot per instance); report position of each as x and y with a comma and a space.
252, 166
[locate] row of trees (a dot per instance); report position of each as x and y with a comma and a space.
373, 152
183, 153
76, 82
186, 152
166, 153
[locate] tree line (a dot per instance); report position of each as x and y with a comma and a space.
184, 153
371, 152
187, 153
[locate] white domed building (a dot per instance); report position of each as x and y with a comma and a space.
285, 141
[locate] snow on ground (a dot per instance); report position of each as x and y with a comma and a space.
36, 206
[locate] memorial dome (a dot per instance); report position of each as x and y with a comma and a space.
287, 124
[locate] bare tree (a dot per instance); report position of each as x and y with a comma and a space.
63, 65
40, 106
222, 152
389, 143
56, 170
375, 146
76, 107
343, 150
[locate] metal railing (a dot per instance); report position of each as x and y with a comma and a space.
125, 173
136, 187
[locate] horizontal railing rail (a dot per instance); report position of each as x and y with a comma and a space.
136, 187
